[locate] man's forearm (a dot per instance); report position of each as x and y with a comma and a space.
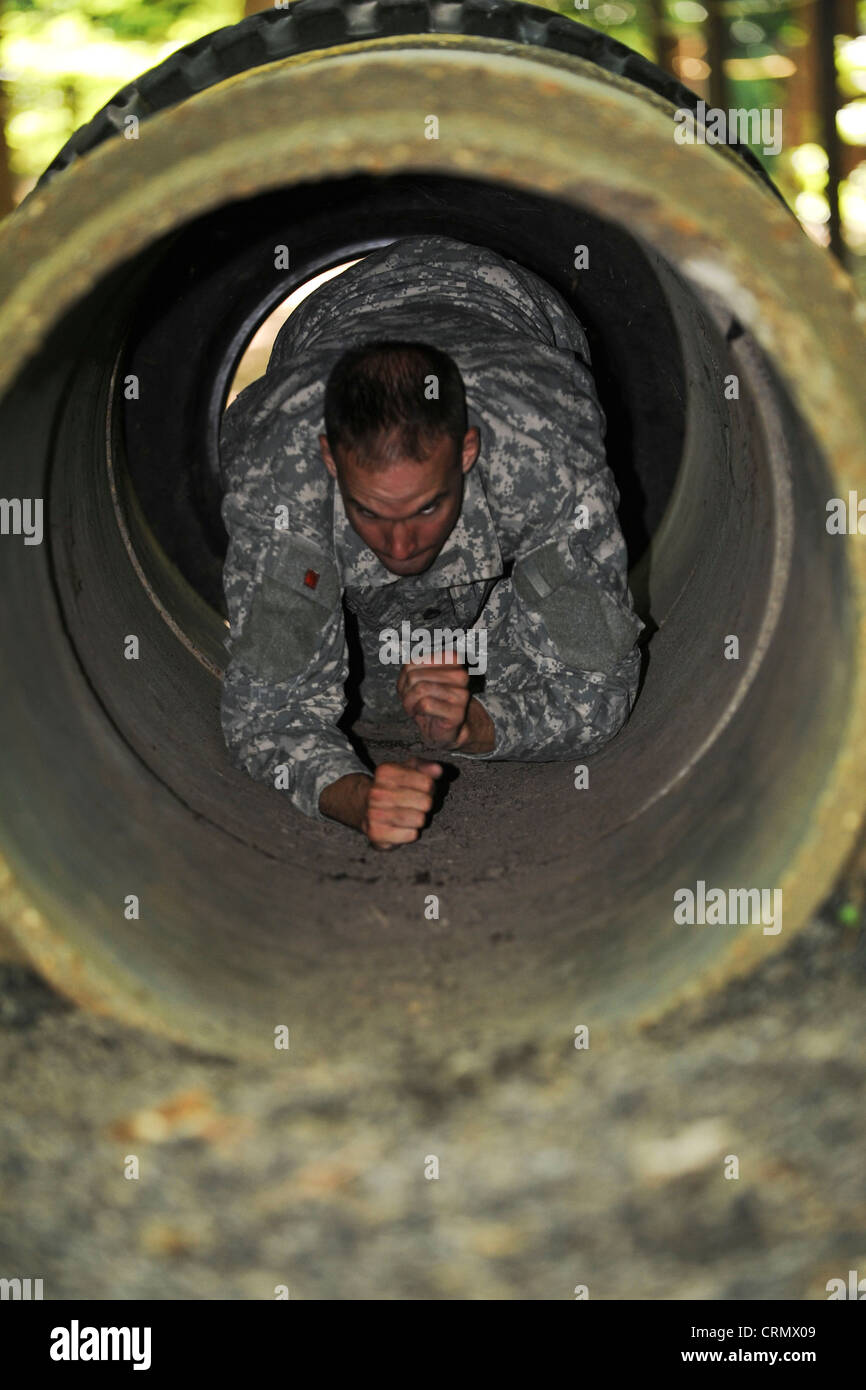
563, 715
346, 799
478, 734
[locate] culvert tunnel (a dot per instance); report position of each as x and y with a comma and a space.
153, 258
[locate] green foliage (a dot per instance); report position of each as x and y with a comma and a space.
65, 59
135, 21
628, 22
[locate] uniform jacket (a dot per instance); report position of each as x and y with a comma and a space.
536, 556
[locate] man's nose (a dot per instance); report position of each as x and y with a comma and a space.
402, 542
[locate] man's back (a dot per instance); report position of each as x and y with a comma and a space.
444, 286
521, 352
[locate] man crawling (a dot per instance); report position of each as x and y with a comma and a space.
457, 502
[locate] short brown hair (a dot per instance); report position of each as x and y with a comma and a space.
381, 389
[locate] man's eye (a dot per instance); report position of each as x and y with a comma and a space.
431, 507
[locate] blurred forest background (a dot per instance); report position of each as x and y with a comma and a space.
61, 60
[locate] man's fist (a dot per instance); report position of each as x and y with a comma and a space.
436, 694
399, 801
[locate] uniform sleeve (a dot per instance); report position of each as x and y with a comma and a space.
283, 687
562, 660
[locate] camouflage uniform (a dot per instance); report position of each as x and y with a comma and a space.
562, 664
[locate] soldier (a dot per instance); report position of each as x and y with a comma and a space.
459, 485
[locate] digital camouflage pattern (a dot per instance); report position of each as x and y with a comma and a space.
537, 555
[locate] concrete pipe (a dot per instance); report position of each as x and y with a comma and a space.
148, 878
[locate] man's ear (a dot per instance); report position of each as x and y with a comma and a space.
471, 448
327, 456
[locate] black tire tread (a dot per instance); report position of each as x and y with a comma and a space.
319, 24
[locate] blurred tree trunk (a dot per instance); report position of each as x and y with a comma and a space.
256, 6
850, 155
828, 16
664, 41
7, 196
7, 188
717, 48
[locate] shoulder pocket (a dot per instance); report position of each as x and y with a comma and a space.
298, 589
591, 630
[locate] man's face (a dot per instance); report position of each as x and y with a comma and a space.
406, 510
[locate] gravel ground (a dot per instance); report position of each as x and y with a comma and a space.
604, 1167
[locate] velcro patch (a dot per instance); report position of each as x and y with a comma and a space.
298, 589
590, 629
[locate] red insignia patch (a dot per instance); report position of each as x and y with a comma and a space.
311, 579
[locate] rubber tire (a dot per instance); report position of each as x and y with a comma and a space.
273, 34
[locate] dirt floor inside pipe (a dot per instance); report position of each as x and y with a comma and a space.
606, 1168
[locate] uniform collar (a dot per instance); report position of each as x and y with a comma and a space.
471, 552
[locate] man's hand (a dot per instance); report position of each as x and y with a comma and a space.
436, 695
399, 801
389, 808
